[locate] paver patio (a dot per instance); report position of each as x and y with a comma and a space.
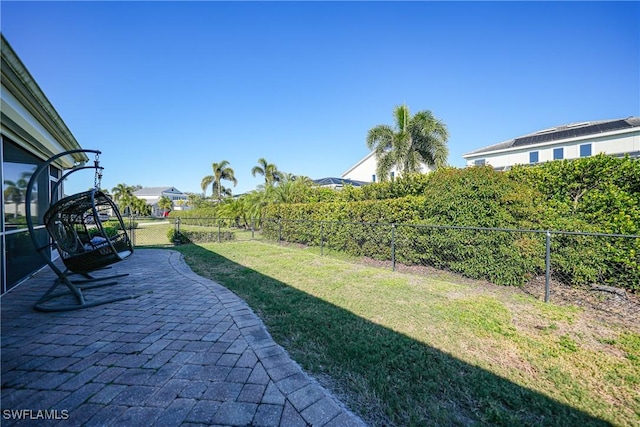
187, 351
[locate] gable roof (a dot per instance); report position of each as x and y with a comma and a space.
361, 161
558, 133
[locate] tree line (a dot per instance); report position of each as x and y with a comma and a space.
412, 141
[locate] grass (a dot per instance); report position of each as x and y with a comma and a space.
154, 233
403, 349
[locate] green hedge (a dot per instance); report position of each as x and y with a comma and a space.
189, 236
598, 194
472, 197
365, 229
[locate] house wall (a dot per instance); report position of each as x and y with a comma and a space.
616, 144
31, 131
152, 199
365, 170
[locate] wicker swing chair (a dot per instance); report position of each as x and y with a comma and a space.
84, 242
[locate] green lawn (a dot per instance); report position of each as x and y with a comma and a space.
402, 349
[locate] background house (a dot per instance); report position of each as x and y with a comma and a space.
152, 194
617, 137
31, 132
337, 183
365, 170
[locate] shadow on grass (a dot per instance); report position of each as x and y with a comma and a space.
384, 376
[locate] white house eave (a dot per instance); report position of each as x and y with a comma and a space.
474, 154
28, 116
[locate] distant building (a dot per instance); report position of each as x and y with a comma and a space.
153, 194
365, 170
617, 137
31, 132
337, 183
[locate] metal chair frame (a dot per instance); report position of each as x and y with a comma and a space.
55, 225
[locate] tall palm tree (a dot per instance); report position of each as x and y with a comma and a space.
123, 196
412, 141
122, 191
270, 172
221, 171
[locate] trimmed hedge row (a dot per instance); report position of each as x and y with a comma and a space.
474, 197
365, 229
189, 236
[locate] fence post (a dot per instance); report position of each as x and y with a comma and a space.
393, 247
321, 238
132, 235
279, 232
177, 239
547, 276
253, 227
219, 225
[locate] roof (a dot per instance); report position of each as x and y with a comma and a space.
559, 133
20, 91
155, 191
339, 181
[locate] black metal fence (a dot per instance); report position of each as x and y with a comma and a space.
499, 255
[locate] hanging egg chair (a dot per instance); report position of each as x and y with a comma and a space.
89, 234
86, 238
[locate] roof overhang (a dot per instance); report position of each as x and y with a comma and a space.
27, 116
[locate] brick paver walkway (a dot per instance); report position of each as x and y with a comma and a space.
186, 352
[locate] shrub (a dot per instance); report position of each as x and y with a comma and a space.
594, 194
175, 236
359, 222
469, 197
190, 236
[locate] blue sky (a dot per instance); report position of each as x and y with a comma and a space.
166, 88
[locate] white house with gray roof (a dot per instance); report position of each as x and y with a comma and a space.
153, 194
618, 137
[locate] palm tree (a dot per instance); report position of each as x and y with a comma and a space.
140, 206
13, 192
296, 190
270, 172
221, 171
122, 191
412, 141
123, 196
165, 204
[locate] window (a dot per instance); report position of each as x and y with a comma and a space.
373, 178
558, 153
393, 175
585, 150
16, 178
480, 162
533, 157
21, 257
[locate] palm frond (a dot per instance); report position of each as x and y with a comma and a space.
417, 139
